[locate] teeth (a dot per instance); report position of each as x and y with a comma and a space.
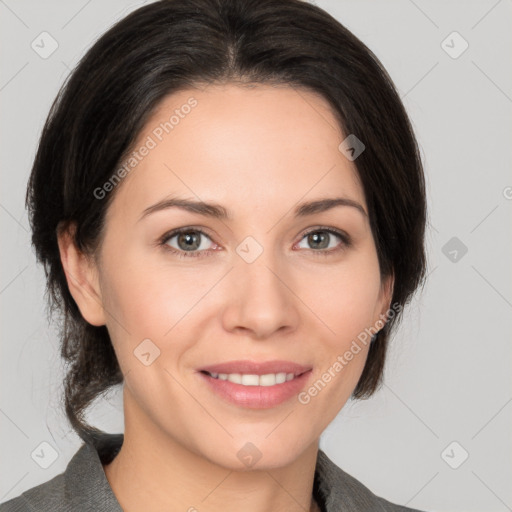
250, 380
235, 377
270, 379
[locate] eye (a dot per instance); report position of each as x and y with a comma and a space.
188, 242
322, 240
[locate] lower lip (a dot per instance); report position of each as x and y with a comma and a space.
256, 397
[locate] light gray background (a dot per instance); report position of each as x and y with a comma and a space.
448, 376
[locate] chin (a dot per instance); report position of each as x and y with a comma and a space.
247, 454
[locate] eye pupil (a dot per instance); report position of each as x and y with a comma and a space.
191, 241
319, 236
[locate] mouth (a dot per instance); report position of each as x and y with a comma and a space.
256, 385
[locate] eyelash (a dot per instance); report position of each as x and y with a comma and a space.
345, 242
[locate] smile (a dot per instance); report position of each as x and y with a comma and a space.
249, 390
270, 379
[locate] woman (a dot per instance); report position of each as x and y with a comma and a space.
229, 203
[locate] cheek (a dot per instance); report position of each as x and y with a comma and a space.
344, 300
344, 297
162, 304
151, 299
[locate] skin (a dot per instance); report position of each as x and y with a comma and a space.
258, 152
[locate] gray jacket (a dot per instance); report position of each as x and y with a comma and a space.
83, 486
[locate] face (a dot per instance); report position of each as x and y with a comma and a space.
264, 283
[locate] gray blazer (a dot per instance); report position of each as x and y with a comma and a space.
83, 486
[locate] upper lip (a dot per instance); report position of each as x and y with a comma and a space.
257, 368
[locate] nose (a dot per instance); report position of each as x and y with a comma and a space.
260, 300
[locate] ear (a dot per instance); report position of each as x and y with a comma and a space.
82, 277
385, 297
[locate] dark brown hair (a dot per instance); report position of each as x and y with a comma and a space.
171, 45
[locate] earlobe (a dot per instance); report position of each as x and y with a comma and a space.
81, 276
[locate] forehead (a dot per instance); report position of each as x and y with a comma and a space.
248, 148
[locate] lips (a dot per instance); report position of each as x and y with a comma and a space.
237, 381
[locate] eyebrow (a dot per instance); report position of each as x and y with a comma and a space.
217, 211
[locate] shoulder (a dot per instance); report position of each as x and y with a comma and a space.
341, 491
47, 496
82, 486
